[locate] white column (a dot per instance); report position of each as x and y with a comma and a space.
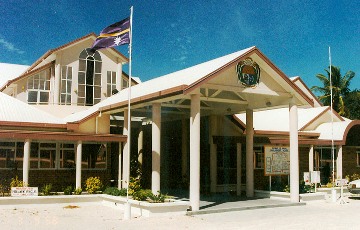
213, 155
126, 155
294, 152
238, 169
184, 150
156, 144
26, 161
118, 75
78, 163
57, 80
339, 174
120, 166
249, 153
195, 152
140, 145
311, 158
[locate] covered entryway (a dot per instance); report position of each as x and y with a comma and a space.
201, 100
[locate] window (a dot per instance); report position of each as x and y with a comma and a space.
67, 156
11, 154
89, 78
226, 164
111, 83
43, 155
66, 80
93, 156
324, 162
358, 158
124, 83
38, 87
259, 157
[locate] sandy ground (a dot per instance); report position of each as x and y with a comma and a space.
314, 215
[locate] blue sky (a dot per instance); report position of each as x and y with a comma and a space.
172, 35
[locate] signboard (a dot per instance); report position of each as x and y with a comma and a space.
24, 191
277, 160
341, 182
307, 178
315, 177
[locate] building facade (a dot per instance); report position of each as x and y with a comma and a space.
203, 129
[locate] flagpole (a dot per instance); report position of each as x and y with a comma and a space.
127, 211
333, 194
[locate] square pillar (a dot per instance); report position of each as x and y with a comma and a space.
311, 158
156, 145
78, 164
249, 153
213, 155
238, 169
339, 173
195, 152
294, 153
26, 161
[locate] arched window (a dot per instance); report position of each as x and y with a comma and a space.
89, 78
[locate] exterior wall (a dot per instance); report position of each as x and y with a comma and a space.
349, 161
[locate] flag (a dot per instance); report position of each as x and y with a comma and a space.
114, 35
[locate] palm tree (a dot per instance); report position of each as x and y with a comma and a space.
340, 88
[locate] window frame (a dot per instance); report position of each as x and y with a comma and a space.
39, 84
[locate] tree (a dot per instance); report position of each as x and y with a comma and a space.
340, 88
352, 102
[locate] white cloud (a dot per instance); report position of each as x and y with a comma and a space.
10, 47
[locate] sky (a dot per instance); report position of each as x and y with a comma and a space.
170, 35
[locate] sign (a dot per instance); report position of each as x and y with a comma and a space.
248, 73
307, 178
277, 160
24, 191
341, 182
315, 177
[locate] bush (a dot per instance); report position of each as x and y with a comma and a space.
78, 191
160, 198
92, 185
113, 191
46, 190
15, 182
68, 190
353, 177
142, 194
134, 185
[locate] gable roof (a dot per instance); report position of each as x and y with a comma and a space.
17, 113
182, 82
10, 71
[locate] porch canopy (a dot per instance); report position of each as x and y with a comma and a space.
210, 88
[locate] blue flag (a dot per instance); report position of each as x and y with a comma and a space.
114, 35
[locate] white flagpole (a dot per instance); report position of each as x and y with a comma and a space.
127, 212
332, 131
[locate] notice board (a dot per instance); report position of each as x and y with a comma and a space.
277, 160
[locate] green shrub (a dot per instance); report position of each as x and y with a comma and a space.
134, 185
142, 194
15, 182
92, 184
353, 177
68, 190
160, 198
113, 191
46, 190
78, 191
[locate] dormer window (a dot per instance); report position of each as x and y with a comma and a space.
38, 87
89, 78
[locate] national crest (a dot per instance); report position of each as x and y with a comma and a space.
248, 73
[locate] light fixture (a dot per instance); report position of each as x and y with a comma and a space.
268, 103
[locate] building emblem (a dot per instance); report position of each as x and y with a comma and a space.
248, 73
